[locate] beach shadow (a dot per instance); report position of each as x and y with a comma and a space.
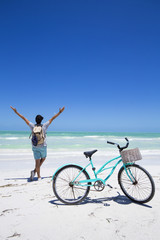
57, 203
119, 199
104, 201
27, 179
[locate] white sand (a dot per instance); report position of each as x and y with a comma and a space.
29, 210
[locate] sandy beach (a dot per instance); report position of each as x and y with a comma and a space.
29, 210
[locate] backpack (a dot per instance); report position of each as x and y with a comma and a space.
37, 135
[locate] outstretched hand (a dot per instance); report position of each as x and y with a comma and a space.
61, 110
20, 115
56, 115
14, 109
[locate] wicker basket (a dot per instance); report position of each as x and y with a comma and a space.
131, 155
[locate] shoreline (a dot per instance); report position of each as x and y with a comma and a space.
56, 157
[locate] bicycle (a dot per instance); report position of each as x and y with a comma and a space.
72, 182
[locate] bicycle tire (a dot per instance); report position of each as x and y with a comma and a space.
142, 189
64, 190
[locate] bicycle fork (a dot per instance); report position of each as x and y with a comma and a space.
130, 175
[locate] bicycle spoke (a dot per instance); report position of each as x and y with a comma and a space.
142, 188
64, 187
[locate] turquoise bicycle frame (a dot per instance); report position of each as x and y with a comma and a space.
90, 182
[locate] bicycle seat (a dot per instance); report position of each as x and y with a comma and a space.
90, 153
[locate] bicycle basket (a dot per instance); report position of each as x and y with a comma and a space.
131, 155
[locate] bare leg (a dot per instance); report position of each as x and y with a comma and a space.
38, 163
37, 168
42, 160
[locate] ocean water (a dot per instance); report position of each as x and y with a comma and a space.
82, 141
68, 147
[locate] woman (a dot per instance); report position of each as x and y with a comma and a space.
40, 150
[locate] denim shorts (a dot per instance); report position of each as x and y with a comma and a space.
39, 152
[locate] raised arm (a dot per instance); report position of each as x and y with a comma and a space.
21, 116
56, 115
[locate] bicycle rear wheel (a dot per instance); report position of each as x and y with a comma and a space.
65, 189
136, 183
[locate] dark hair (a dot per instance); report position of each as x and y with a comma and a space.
39, 119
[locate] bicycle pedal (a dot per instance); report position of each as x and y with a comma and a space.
109, 186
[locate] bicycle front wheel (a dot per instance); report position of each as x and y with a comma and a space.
136, 183
66, 189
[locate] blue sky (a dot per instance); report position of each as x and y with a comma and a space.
99, 59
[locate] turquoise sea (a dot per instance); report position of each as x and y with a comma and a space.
82, 141
68, 147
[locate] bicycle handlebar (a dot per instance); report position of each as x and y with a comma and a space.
111, 142
120, 148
